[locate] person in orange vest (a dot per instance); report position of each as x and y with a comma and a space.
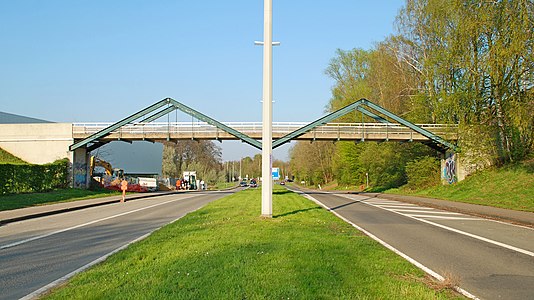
124, 187
178, 184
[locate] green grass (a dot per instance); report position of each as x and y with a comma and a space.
510, 187
223, 185
227, 251
8, 202
8, 158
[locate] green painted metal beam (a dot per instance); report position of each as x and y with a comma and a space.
438, 141
158, 114
119, 124
95, 146
331, 116
200, 116
408, 124
372, 115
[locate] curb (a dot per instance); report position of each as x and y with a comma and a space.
115, 199
105, 201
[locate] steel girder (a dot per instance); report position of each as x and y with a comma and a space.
436, 141
113, 127
200, 116
172, 105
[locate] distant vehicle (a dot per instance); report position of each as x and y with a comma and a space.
253, 183
243, 183
282, 183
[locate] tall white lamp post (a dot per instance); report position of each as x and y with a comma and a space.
267, 131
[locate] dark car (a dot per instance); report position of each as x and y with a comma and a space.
253, 183
243, 183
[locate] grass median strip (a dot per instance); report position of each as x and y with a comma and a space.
227, 251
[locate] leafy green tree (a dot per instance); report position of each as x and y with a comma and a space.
201, 156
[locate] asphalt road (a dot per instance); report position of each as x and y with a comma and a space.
36, 252
491, 260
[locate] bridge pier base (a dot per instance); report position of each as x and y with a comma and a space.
452, 168
80, 168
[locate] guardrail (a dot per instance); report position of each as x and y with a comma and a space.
202, 129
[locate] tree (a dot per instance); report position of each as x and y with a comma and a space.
201, 156
475, 65
312, 162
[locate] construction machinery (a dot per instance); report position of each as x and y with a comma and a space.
109, 170
112, 177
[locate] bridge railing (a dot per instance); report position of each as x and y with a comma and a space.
81, 130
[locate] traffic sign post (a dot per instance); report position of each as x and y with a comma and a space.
276, 173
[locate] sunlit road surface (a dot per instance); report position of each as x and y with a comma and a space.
37, 252
491, 260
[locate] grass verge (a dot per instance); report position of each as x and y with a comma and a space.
8, 202
8, 158
510, 187
223, 185
227, 251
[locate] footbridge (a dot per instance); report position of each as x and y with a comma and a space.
172, 131
140, 126
42, 143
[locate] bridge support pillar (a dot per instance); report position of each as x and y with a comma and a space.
452, 170
80, 168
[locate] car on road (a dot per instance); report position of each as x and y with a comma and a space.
243, 183
282, 183
253, 183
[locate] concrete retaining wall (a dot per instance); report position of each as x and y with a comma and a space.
37, 143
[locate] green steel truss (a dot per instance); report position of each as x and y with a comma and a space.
92, 142
435, 141
151, 113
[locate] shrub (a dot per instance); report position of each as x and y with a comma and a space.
27, 178
423, 173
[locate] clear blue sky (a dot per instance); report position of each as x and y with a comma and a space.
89, 61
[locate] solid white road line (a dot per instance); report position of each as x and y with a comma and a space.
510, 247
428, 212
444, 217
421, 207
402, 206
36, 294
388, 246
85, 224
390, 203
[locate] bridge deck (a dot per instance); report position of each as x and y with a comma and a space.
204, 131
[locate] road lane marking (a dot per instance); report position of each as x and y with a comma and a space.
428, 212
391, 203
444, 217
85, 224
388, 246
402, 206
39, 292
510, 247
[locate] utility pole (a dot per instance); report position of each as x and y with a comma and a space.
267, 130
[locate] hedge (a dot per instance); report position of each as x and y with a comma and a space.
28, 178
